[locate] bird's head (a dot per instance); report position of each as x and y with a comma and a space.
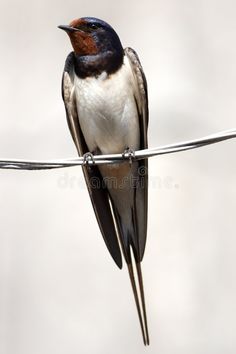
91, 36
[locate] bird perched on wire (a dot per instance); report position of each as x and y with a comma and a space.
105, 94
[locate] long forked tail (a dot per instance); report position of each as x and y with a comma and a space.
139, 299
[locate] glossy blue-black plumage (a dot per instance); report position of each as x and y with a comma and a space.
109, 55
105, 36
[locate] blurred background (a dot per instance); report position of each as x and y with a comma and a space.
60, 291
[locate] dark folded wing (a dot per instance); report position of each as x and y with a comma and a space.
141, 196
97, 191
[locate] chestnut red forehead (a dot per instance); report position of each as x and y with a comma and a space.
77, 22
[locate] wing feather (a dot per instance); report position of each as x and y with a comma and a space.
97, 191
141, 195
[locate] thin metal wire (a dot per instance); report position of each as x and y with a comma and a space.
117, 158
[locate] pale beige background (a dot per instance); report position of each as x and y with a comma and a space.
59, 289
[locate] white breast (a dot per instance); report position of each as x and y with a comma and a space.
107, 111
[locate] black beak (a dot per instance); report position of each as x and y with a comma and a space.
68, 28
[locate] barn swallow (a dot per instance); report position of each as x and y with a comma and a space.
105, 95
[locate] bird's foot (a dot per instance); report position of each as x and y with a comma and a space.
88, 159
129, 154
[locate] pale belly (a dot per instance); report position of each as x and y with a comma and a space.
107, 112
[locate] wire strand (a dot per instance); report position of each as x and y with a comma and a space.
18, 164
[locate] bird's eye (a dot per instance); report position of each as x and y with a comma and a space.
92, 25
